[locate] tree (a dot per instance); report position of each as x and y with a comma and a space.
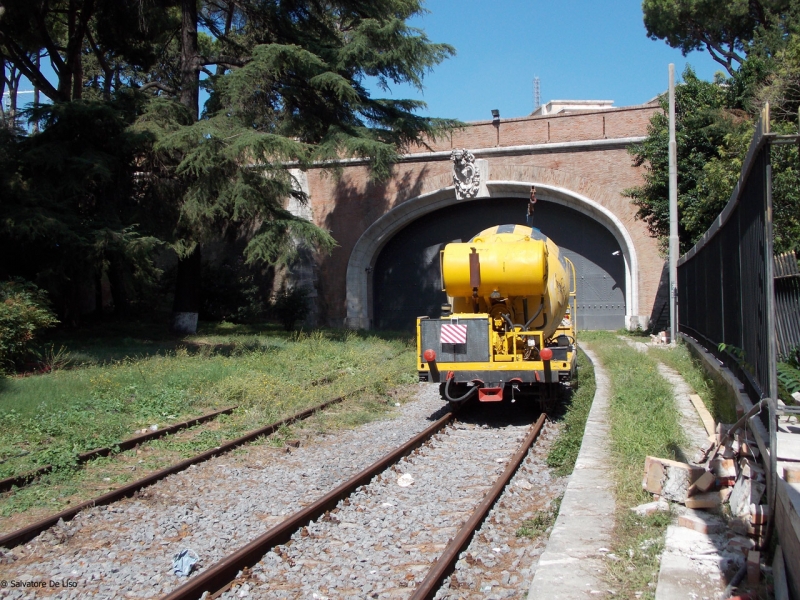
729, 31
706, 128
288, 89
68, 205
286, 85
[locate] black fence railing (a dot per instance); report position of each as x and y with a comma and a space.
787, 305
725, 286
726, 298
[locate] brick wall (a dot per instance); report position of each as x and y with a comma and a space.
348, 204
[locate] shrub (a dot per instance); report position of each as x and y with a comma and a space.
24, 311
291, 306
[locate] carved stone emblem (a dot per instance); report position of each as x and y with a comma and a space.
466, 177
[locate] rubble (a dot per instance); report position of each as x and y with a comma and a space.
725, 471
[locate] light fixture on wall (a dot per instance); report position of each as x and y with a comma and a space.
495, 115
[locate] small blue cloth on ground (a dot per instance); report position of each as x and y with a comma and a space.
183, 562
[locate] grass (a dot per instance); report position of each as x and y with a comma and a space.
715, 396
565, 449
66, 487
541, 522
47, 419
643, 421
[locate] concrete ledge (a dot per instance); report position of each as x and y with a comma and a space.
787, 500
571, 565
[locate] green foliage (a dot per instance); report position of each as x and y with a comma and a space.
24, 312
234, 292
709, 134
120, 162
731, 32
788, 381
69, 213
565, 449
290, 306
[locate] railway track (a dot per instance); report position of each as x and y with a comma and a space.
24, 479
126, 549
434, 520
10, 540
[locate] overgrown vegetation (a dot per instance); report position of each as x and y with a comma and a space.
24, 313
47, 419
788, 380
565, 449
758, 44
643, 421
715, 396
123, 159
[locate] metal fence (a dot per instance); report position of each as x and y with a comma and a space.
787, 304
739, 300
725, 283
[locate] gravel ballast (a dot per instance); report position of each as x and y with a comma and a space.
382, 543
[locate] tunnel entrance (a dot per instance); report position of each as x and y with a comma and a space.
407, 283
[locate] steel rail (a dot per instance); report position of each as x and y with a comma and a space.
220, 575
25, 534
447, 561
25, 478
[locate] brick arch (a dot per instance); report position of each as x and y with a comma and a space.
549, 188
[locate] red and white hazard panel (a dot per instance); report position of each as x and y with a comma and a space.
454, 334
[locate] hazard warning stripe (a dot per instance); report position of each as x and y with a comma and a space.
454, 334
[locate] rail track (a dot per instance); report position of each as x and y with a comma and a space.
24, 479
247, 564
10, 540
31, 476
125, 549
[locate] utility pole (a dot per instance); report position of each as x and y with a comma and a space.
673, 211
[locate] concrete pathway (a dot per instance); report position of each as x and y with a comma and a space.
693, 564
572, 565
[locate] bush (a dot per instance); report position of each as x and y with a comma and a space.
24, 311
291, 306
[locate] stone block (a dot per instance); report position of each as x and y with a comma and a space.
669, 479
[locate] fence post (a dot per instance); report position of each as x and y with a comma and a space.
772, 350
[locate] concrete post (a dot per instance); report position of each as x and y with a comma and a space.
673, 211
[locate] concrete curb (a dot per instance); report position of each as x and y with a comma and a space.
572, 564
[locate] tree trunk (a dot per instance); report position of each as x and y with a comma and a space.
190, 63
186, 306
119, 291
187, 286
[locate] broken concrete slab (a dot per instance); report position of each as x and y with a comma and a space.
707, 500
701, 522
669, 479
704, 483
651, 507
746, 492
695, 564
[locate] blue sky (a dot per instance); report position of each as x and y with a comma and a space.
580, 50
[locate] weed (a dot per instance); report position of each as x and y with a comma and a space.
564, 451
715, 396
541, 522
643, 421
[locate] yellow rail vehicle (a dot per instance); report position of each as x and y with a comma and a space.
509, 326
